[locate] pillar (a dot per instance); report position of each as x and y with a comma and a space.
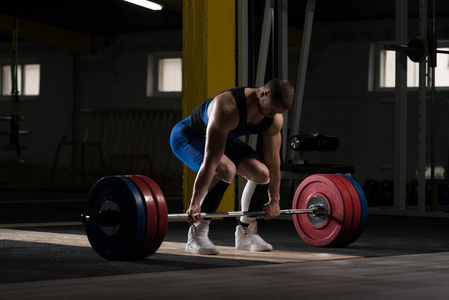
208, 65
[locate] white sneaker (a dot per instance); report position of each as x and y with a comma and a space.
248, 239
198, 241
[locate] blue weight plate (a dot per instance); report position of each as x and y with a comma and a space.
122, 241
364, 207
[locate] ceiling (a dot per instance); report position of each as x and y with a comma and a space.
93, 16
99, 17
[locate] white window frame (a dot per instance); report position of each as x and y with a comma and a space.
21, 88
375, 68
153, 74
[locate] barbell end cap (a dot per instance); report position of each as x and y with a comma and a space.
318, 210
420, 49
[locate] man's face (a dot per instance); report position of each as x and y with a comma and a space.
269, 107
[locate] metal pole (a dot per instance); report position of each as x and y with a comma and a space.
282, 43
433, 64
264, 43
263, 54
242, 35
422, 112
400, 108
15, 103
242, 76
302, 69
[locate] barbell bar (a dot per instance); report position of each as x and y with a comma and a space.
112, 217
313, 210
126, 217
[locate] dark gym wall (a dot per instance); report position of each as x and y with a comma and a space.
337, 100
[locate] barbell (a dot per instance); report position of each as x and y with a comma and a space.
416, 49
126, 217
314, 142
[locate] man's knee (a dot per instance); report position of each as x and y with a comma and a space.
252, 168
261, 174
226, 171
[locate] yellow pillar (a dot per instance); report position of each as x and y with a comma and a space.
208, 65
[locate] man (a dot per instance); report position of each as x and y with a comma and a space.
208, 143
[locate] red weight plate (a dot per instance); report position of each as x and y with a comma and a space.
151, 217
363, 206
346, 230
353, 201
162, 213
323, 188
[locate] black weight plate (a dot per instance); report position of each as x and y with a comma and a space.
121, 243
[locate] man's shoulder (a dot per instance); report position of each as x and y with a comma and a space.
225, 101
225, 111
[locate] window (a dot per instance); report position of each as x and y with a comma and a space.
170, 74
31, 76
383, 69
28, 79
442, 69
164, 74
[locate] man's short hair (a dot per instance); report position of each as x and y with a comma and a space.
281, 89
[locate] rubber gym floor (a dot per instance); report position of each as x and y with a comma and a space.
44, 254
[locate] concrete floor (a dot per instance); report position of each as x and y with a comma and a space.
395, 258
405, 277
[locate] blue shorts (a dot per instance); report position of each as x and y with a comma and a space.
189, 146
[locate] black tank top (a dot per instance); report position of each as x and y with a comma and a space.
199, 118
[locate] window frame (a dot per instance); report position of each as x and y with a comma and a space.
22, 62
375, 68
153, 74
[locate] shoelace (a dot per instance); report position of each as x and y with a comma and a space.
254, 237
203, 239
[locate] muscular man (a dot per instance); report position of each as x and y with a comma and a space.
208, 142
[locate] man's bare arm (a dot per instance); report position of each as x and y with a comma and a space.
271, 154
223, 118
